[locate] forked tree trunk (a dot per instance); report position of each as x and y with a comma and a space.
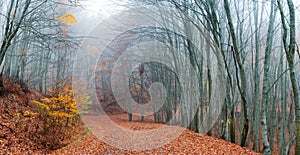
290, 50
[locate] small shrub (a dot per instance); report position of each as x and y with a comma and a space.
60, 116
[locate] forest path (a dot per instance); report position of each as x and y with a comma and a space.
188, 142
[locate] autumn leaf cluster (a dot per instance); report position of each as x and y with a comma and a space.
61, 106
67, 19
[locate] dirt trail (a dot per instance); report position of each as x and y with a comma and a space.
188, 142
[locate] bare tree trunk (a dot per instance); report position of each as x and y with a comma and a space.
266, 80
243, 86
282, 139
12, 26
290, 58
256, 111
290, 49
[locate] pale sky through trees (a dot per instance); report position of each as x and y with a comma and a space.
94, 11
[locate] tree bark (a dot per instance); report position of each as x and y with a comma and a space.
290, 49
243, 86
266, 80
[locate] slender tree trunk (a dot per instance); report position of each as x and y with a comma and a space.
209, 82
290, 49
256, 111
243, 87
293, 76
266, 80
282, 139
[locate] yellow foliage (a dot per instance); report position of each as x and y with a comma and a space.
60, 114
68, 19
59, 106
42, 105
29, 114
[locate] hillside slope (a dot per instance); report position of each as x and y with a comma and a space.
22, 129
